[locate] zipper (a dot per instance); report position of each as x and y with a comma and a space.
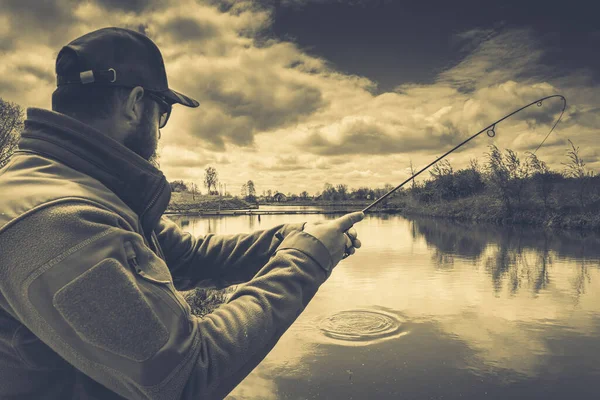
159, 284
154, 198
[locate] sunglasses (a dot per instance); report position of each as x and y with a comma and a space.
165, 108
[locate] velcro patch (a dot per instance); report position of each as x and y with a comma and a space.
106, 309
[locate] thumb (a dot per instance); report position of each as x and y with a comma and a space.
346, 222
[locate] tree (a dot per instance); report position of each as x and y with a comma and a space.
304, 195
342, 191
507, 174
251, 191
193, 189
543, 178
499, 175
178, 186
329, 192
361, 193
211, 178
467, 182
11, 123
443, 180
441, 168
244, 191
412, 173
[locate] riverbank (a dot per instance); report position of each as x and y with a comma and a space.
482, 207
350, 204
486, 208
186, 203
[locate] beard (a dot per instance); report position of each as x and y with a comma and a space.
143, 141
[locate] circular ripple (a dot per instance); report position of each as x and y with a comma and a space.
359, 325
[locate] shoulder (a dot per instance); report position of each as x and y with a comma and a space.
31, 183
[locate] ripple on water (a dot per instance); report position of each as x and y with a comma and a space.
360, 325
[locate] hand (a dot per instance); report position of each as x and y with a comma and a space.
354, 242
338, 236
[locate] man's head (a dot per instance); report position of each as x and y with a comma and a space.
115, 80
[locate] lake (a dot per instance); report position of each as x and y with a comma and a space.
434, 309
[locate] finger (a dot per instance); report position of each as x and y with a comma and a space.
346, 222
348, 241
356, 243
352, 233
351, 251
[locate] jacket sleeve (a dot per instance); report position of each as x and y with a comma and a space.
217, 260
105, 303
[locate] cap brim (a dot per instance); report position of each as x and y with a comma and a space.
176, 97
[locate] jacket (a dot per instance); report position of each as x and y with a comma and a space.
90, 270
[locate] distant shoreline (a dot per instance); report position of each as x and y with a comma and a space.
474, 209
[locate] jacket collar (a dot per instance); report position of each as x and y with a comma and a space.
134, 180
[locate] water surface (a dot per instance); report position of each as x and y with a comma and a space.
431, 309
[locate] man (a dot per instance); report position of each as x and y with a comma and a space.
89, 267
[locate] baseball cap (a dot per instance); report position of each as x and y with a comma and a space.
121, 57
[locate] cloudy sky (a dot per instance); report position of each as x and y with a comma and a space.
297, 93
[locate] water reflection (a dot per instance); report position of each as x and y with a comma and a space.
492, 312
519, 257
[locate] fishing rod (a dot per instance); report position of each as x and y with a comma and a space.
491, 132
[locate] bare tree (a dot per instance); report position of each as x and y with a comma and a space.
193, 188
211, 178
11, 123
412, 173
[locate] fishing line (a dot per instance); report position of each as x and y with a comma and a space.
490, 131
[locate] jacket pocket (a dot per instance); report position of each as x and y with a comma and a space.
161, 282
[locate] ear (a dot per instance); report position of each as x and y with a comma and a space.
133, 106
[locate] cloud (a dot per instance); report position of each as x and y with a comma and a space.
504, 56
244, 90
45, 14
368, 136
176, 156
502, 75
126, 5
279, 163
469, 40
288, 118
185, 29
37, 72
